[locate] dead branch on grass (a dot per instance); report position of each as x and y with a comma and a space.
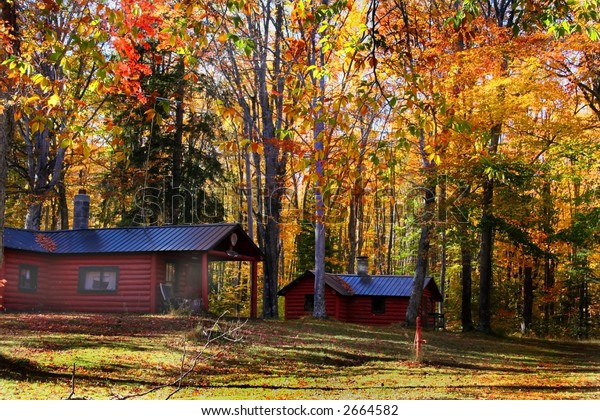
72, 394
230, 333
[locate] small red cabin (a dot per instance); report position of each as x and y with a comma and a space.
360, 298
119, 269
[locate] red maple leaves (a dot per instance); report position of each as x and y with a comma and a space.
133, 25
45, 242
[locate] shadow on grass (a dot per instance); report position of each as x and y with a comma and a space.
549, 388
532, 369
67, 342
17, 368
97, 324
21, 369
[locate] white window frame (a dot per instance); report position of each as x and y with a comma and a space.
104, 279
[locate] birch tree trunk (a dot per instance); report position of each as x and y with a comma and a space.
319, 310
527, 300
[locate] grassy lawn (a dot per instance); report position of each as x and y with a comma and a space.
121, 355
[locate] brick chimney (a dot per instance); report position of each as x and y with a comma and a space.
362, 266
81, 210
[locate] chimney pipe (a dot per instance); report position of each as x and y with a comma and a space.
81, 210
362, 266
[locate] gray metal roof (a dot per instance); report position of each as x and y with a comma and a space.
132, 239
369, 285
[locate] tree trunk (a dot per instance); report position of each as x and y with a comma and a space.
248, 130
391, 235
274, 163
442, 218
461, 214
466, 316
249, 192
9, 21
177, 152
351, 236
422, 263
548, 287
548, 227
527, 300
353, 220
44, 172
319, 310
63, 206
487, 242
485, 260
33, 220
272, 240
584, 310
271, 271
6, 118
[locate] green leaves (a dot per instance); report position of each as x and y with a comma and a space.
247, 45
584, 231
466, 13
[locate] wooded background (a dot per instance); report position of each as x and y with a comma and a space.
457, 139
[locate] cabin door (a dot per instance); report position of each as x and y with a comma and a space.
195, 281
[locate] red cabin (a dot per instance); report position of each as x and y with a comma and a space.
360, 298
119, 269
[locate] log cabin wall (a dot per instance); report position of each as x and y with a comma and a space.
59, 289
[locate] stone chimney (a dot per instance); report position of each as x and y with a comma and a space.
362, 266
81, 210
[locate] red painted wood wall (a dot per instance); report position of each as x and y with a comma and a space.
58, 283
13, 298
361, 310
294, 300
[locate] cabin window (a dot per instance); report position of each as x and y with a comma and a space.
28, 278
309, 303
378, 305
98, 279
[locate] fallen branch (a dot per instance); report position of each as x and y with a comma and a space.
70, 397
72, 394
229, 334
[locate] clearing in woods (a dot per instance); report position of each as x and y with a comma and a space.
116, 356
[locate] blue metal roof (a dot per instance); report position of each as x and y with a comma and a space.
132, 239
369, 285
379, 285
